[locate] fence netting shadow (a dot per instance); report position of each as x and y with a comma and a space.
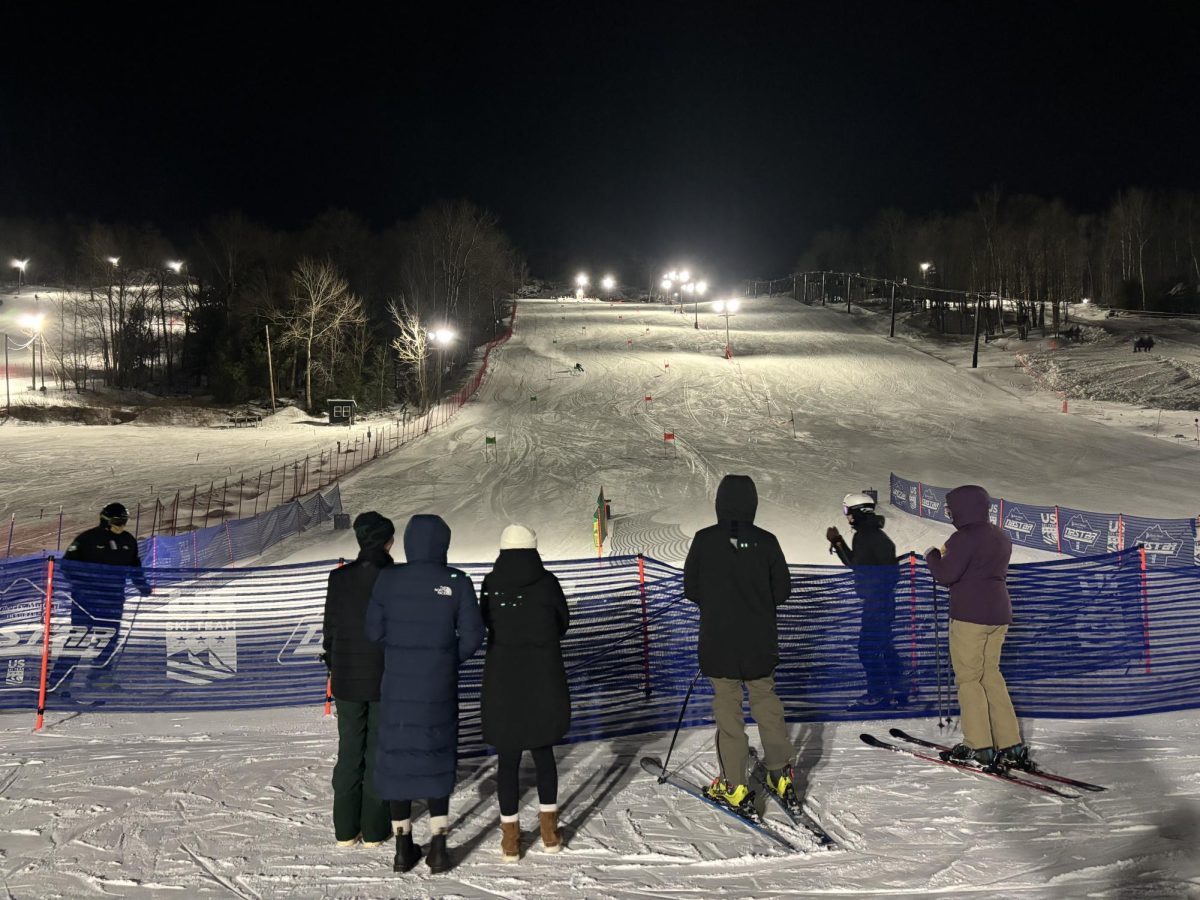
1093, 637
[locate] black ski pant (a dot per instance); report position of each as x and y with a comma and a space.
877, 648
356, 808
508, 781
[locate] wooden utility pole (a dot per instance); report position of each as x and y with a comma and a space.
270, 367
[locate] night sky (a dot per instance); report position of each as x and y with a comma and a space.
603, 135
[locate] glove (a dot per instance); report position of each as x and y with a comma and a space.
930, 551
832, 534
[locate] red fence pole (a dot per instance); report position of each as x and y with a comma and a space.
1145, 610
645, 624
41, 707
912, 616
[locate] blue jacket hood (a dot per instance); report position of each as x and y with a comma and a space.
426, 539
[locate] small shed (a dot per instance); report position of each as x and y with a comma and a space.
342, 412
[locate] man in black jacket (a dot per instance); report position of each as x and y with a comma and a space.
873, 558
736, 574
98, 592
356, 667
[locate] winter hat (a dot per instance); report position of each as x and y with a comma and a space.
518, 537
373, 530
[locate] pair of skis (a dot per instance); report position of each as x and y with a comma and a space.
748, 817
1017, 777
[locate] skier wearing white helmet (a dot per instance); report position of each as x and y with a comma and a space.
873, 558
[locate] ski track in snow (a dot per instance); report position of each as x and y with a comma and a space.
238, 804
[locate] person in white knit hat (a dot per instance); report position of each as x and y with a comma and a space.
526, 703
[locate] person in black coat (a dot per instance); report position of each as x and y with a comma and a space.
425, 615
736, 574
355, 668
526, 702
873, 558
98, 594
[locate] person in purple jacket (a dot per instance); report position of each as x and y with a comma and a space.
974, 565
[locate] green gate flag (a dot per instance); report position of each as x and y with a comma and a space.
489, 440
533, 399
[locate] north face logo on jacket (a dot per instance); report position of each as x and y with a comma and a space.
443, 590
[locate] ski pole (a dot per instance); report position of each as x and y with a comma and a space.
937, 633
679, 724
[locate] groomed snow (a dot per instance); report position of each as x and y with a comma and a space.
238, 804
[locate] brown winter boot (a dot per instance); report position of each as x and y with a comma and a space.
551, 839
510, 841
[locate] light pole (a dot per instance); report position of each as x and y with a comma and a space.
608, 282
19, 265
699, 290
33, 322
581, 283
440, 339
726, 308
175, 266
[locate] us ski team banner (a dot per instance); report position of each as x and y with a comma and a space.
1094, 637
1060, 529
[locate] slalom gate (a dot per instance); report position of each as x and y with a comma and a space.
1094, 637
1059, 529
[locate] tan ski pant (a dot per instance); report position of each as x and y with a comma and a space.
985, 710
733, 747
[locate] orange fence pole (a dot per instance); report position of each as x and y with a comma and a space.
1145, 610
645, 624
41, 707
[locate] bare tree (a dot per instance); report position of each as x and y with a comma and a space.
321, 311
412, 349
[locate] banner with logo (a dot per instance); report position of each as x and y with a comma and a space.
1072, 532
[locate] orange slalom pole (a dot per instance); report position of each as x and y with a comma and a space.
41, 707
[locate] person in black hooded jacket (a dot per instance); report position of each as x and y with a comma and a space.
356, 667
736, 574
526, 704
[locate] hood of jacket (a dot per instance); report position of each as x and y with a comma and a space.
518, 568
737, 499
426, 539
969, 505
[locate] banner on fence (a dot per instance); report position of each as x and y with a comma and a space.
1060, 529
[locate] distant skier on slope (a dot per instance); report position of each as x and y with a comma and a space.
974, 565
579, 368
736, 574
873, 557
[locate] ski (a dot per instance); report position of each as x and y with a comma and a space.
799, 816
1040, 773
654, 767
973, 769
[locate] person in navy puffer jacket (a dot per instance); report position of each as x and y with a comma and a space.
426, 616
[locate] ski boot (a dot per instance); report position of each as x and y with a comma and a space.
963, 753
739, 798
1015, 757
783, 783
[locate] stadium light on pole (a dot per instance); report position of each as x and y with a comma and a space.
175, 266
699, 288
19, 265
33, 323
727, 308
608, 282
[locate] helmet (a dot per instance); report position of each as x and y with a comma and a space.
114, 514
857, 502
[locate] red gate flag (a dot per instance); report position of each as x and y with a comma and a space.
648, 398
668, 435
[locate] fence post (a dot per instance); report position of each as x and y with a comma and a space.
920, 500
892, 330
241, 492
58, 547
1057, 530
137, 519
645, 624
912, 616
192, 514
12, 524
41, 706
1145, 608
208, 501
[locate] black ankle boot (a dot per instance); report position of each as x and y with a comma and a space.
438, 858
408, 854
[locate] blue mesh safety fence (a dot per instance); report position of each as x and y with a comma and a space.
1060, 529
1093, 637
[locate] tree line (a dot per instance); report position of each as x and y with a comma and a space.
1143, 252
346, 309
